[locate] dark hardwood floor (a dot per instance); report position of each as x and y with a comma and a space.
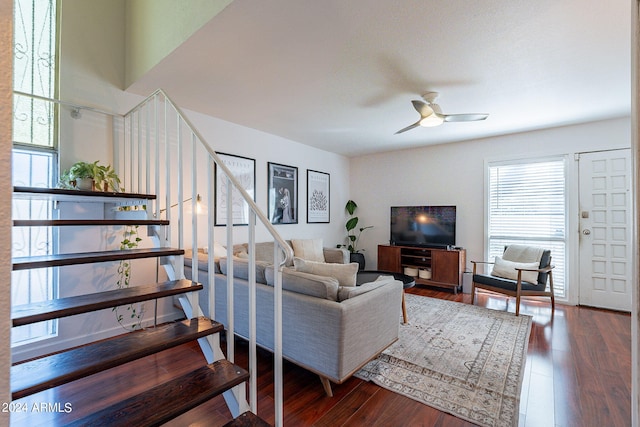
578, 373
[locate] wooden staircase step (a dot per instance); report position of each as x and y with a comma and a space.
60, 368
63, 307
85, 222
248, 419
171, 399
25, 263
67, 194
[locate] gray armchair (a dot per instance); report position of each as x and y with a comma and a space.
515, 278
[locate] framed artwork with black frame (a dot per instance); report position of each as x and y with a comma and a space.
318, 196
244, 170
282, 193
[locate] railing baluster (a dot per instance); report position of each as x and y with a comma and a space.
194, 225
230, 287
139, 151
210, 236
148, 150
253, 371
180, 185
167, 162
277, 335
156, 153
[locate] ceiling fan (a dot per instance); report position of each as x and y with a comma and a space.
431, 114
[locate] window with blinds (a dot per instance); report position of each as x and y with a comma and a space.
527, 205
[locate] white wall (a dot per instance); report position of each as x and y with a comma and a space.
229, 138
454, 174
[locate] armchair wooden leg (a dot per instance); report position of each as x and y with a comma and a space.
473, 292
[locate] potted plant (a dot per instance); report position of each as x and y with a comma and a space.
107, 179
353, 235
90, 176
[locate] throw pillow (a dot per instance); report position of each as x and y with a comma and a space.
507, 270
218, 250
309, 249
345, 273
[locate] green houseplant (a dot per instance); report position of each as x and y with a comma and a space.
90, 176
353, 234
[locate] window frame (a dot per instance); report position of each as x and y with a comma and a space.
561, 281
50, 149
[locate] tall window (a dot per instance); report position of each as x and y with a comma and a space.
527, 205
34, 153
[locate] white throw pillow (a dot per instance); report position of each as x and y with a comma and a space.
219, 251
309, 249
507, 269
345, 273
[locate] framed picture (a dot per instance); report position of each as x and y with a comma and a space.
244, 170
282, 194
318, 196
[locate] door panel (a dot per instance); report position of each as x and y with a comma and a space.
605, 229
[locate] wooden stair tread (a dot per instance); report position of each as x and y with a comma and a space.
63, 307
171, 399
60, 368
25, 263
248, 419
75, 222
58, 193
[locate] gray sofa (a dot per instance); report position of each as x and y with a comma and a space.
329, 329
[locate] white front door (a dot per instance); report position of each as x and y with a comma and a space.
605, 229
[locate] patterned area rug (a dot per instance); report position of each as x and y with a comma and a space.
461, 359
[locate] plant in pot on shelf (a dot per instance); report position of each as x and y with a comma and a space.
353, 235
90, 176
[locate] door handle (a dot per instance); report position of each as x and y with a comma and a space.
586, 231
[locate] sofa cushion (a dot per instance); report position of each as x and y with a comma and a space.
309, 249
507, 270
345, 273
346, 292
241, 268
305, 283
203, 261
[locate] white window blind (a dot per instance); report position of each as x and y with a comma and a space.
527, 205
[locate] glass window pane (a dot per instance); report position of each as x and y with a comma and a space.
527, 205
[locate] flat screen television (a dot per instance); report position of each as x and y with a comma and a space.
428, 226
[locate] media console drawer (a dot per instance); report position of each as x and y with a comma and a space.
445, 266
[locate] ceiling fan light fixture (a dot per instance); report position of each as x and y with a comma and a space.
431, 121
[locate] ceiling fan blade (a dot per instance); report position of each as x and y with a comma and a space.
423, 108
416, 124
474, 117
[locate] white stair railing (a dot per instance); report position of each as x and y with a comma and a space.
160, 152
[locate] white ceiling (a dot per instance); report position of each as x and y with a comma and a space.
340, 75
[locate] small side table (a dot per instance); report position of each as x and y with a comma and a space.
367, 276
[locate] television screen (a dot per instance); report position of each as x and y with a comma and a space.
433, 226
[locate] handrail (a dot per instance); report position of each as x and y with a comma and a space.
66, 103
288, 252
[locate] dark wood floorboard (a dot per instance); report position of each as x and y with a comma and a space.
578, 373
